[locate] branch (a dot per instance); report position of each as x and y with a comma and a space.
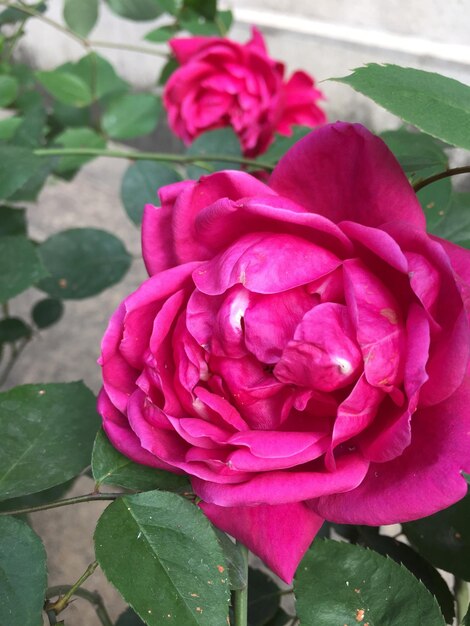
153, 156
454, 171
90, 497
93, 598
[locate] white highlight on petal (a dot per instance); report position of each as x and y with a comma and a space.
343, 364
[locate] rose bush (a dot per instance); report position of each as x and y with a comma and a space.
300, 349
223, 83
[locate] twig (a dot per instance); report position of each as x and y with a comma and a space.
454, 171
90, 497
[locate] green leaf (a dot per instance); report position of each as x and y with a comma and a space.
234, 559
455, 224
414, 562
47, 312
206, 8
64, 116
46, 436
12, 221
11, 15
138, 10
161, 554
280, 619
12, 329
263, 598
282, 144
95, 70
18, 166
21, 266
438, 105
421, 156
82, 262
66, 87
339, 583
110, 467
129, 618
141, 183
22, 574
167, 70
32, 131
444, 538
131, 115
81, 15
8, 90
30, 190
162, 34
224, 20
36, 499
221, 141
198, 25
466, 619
77, 138
9, 126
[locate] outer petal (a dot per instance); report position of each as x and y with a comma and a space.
424, 479
280, 535
282, 487
344, 172
460, 261
157, 240
186, 48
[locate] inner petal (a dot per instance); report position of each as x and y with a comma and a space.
270, 321
323, 354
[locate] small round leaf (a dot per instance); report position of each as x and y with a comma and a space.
82, 262
47, 312
12, 329
131, 115
141, 183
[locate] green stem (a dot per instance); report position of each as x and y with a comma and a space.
90, 497
93, 598
454, 171
240, 596
15, 355
152, 156
59, 605
115, 45
461, 598
81, 40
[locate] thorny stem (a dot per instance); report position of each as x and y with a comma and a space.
62, 602
93, 598
240, 596
80, 40
454, 171
90, 497
152, 156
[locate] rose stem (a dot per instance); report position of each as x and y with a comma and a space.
134, 155
93, 598
432, 179
240, 596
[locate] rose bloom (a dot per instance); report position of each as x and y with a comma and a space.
223, 83
300, 350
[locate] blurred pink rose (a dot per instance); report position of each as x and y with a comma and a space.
300, 350
223, 83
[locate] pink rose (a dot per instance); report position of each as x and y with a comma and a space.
223, 83
300, 350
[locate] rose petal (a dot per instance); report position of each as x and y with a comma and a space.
280, 535
280, 487
356, 178
265, 263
